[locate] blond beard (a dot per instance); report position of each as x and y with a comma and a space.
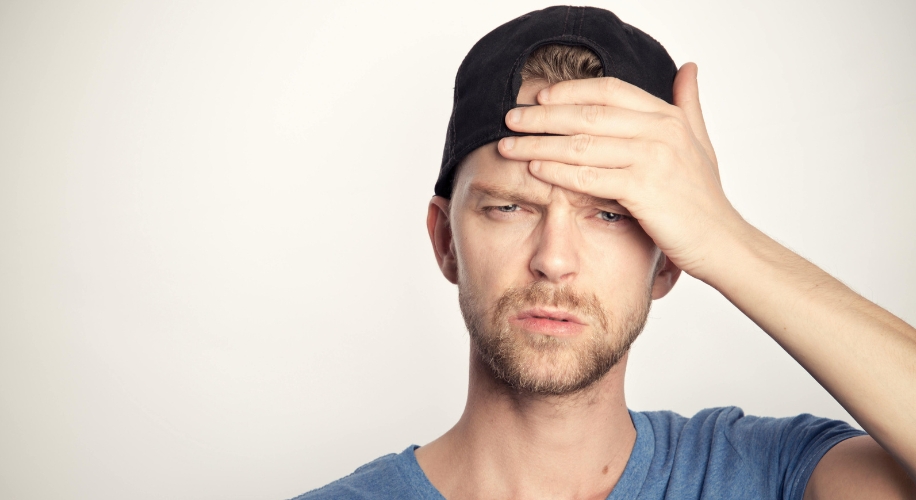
543, 364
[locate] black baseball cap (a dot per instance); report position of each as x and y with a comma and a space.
488, 80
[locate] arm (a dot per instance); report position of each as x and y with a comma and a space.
859, 468
860, 353
863, 355
656, 160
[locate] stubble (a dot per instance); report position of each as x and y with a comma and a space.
547, 365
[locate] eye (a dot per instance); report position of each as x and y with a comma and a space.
507, 208
610, 216
503, 212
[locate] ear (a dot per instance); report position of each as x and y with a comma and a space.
666, 276
440, 235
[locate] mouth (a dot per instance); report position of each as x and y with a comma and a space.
549, 314
555, 323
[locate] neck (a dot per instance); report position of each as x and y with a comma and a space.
515, 445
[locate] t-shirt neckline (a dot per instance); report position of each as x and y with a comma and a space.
628, 486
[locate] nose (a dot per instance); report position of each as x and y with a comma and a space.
556, 258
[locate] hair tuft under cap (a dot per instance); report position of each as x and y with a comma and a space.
488, 80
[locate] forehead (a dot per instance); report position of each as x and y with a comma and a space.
486, 172
483, 162
485, 166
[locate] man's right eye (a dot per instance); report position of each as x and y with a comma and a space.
507, 208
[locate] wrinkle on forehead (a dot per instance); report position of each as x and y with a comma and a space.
488, 172
521, 195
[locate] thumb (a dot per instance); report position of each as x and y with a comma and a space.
687, 97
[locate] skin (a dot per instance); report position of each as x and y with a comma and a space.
656, 160
512, 445
509, 445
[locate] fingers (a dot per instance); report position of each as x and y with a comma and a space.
607, 91
610, 184
586, 119
687, 97
581, 149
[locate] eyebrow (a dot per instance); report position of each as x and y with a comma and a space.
516, 197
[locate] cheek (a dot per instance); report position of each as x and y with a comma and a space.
622, 263
618, 264
490, 260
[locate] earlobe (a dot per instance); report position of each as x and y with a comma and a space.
665, 278
440, 235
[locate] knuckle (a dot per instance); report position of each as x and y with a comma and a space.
675, 128
669, 122
591, 114
679, 113
610, 84
580, 143
585, 177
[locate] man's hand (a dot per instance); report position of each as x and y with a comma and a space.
622, 143
655, 159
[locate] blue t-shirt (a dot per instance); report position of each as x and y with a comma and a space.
719, 453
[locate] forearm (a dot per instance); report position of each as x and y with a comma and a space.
657, 162
863, 355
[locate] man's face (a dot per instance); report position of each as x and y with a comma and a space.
554, 286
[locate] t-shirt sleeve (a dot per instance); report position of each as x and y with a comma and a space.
788, 449
386, 478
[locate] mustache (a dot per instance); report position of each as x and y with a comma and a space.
542, 294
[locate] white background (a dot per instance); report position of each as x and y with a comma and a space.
215, 279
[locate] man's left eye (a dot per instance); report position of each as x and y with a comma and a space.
610, 216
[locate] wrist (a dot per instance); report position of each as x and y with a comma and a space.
730, 250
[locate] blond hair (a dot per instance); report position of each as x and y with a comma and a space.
556, 63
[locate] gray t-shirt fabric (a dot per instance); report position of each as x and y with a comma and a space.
719, 453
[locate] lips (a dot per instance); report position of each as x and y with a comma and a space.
551, 322
549, 314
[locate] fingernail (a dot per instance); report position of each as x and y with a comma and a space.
509, 143
543, 95
535, 165
515, 116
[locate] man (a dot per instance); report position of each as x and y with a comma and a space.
577, 183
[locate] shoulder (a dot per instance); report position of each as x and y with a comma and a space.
730, 423
381, 478
671, 426
772, 457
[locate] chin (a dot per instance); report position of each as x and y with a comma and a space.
547, 365
538, 362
